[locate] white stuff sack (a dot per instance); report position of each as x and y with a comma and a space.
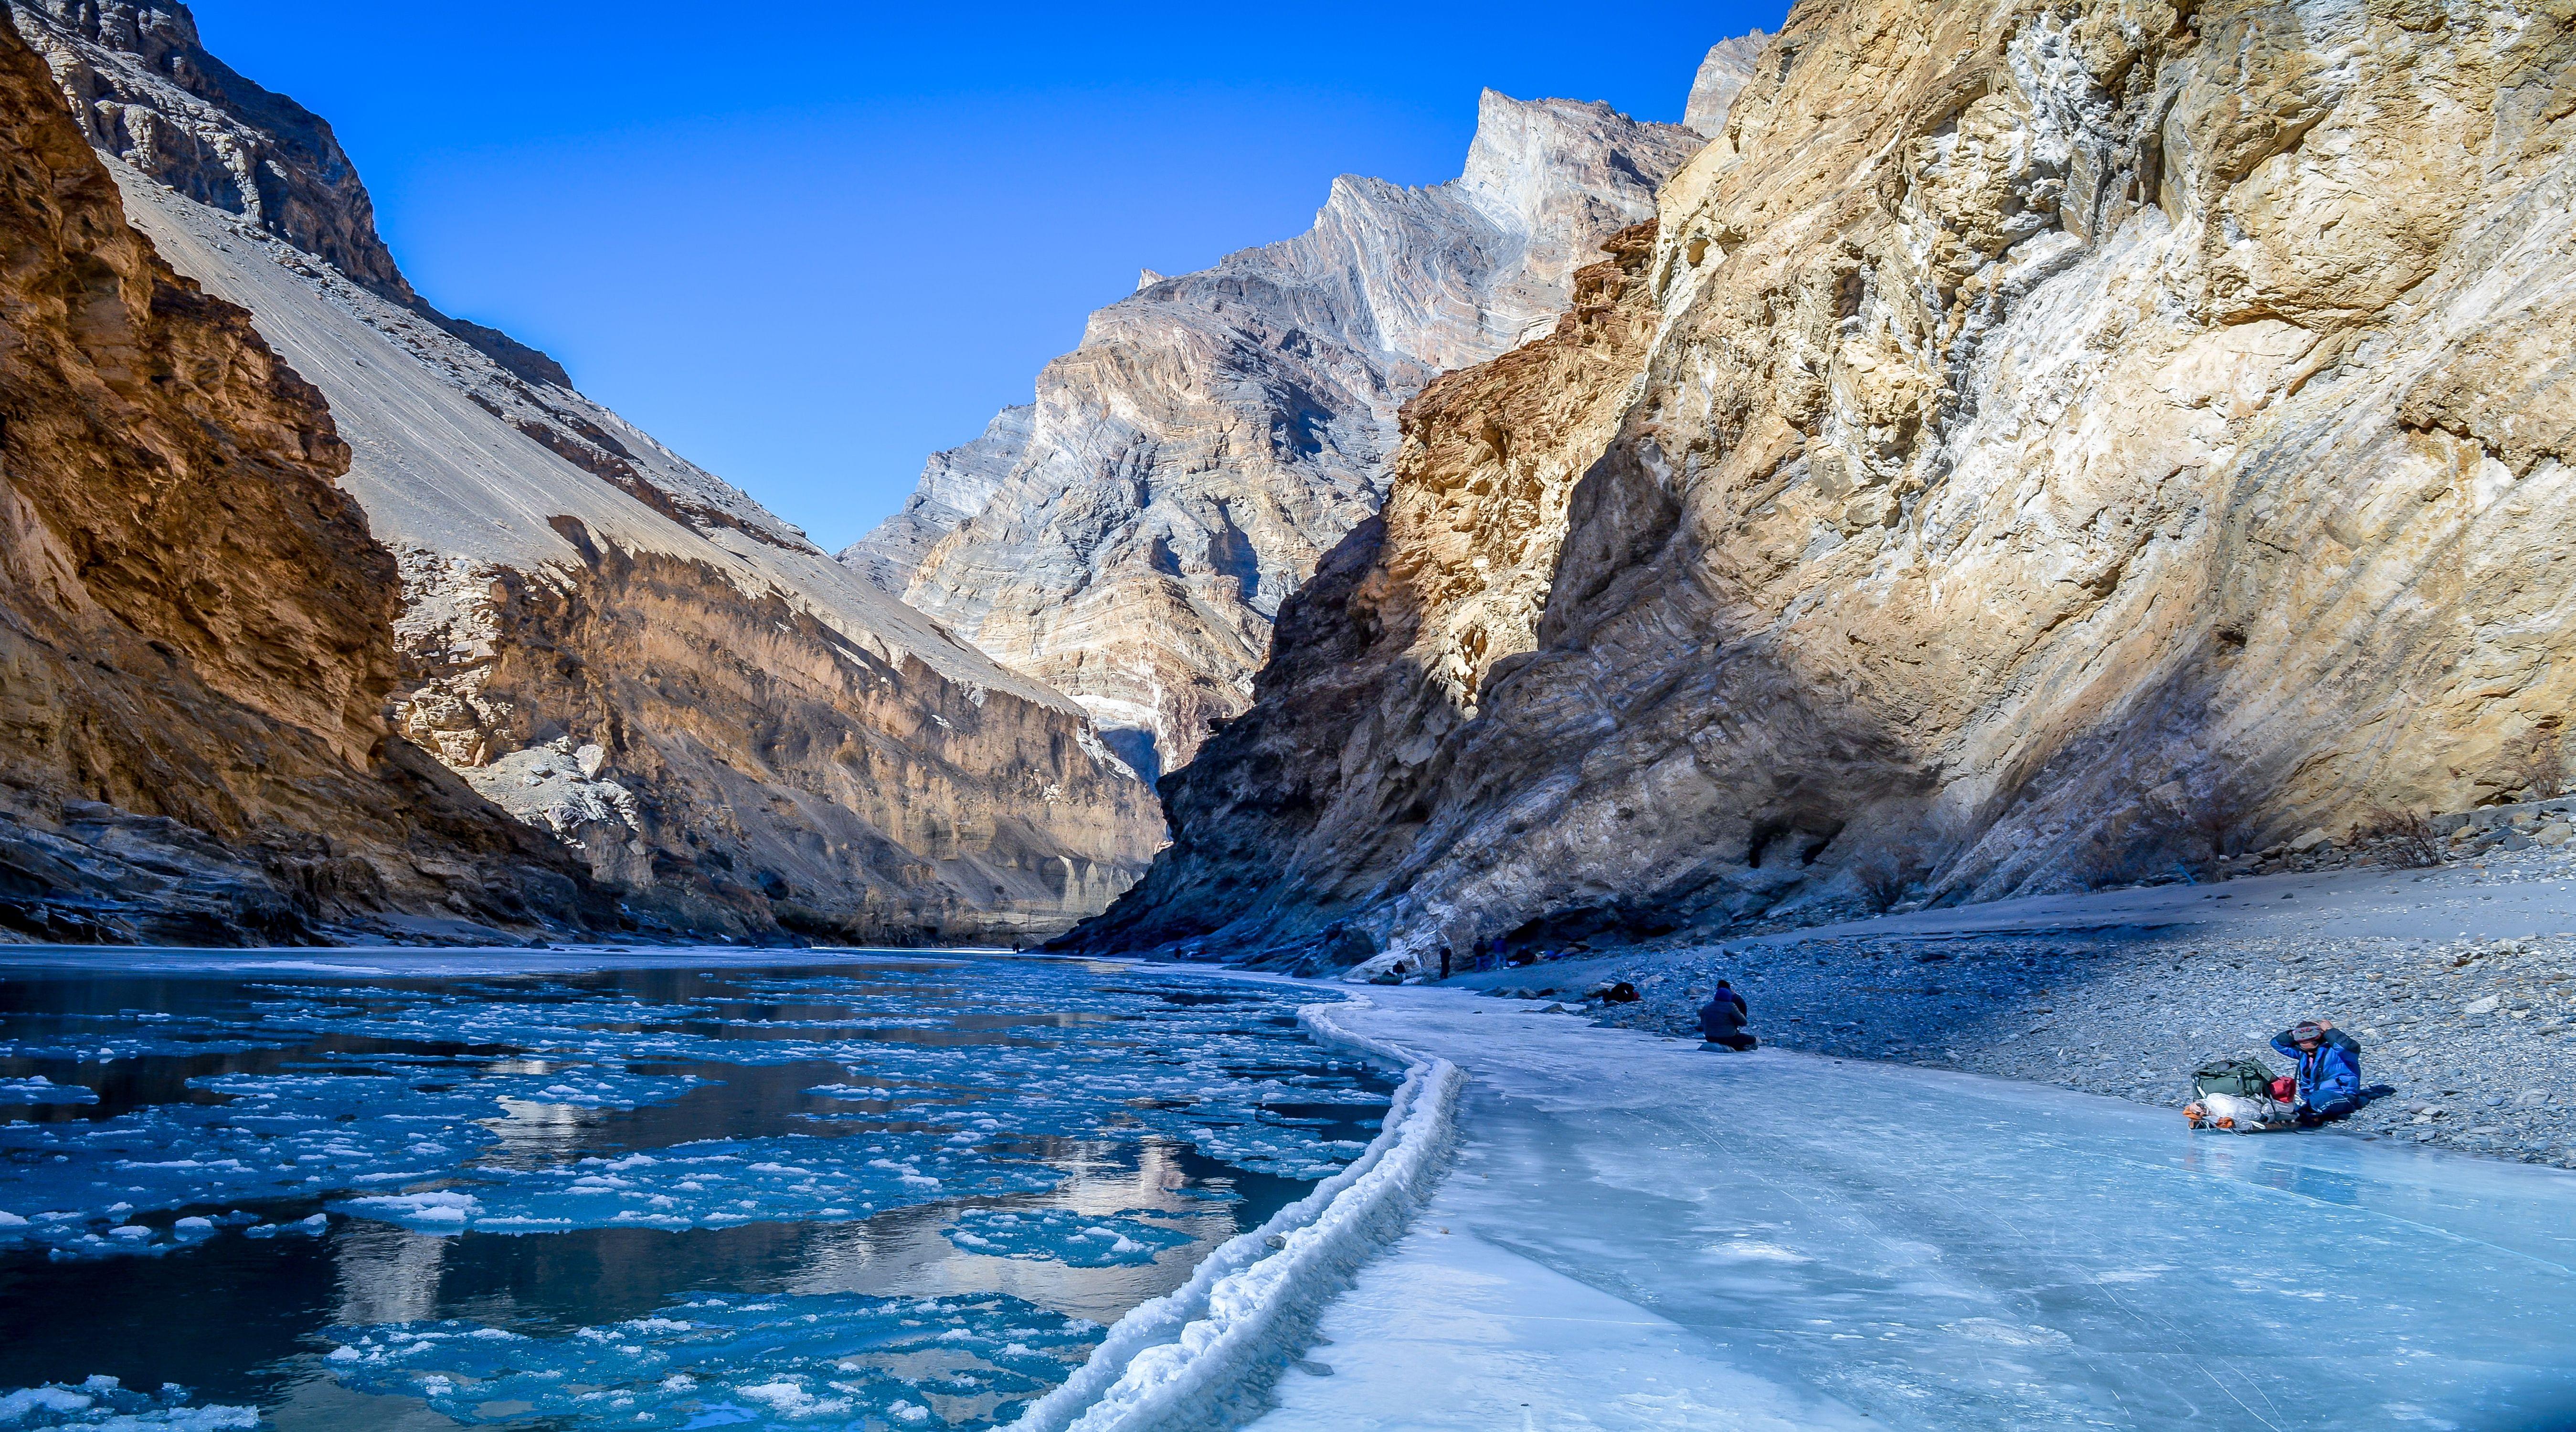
2239, 1112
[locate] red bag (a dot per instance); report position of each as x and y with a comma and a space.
2284, 1090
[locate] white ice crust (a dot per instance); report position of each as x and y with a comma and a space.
1204, 1354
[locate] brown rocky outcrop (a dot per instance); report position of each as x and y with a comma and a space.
1128, 536
734, 731
195, 626
2072, 441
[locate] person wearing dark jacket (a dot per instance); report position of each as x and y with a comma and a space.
2329, 1074
1722, 1019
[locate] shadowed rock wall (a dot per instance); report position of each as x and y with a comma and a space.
2072, 441
1129, 536
731, 729
196, 635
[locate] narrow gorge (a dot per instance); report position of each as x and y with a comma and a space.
1128, 536
736, 735
2035, 447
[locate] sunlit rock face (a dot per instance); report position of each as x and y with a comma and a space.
772, 742
1722, 76
2039, 447
1129, 536
196, 637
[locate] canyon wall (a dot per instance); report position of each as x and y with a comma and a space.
2040, 445
734, 731
1128, 537
196, 637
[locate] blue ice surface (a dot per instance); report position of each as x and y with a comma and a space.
101, 1402
1062, 1235
824, 1361
37, 1089
1873, 1245
707, 1184
277, 1136
398, 1103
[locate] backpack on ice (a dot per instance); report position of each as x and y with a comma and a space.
2242, 1078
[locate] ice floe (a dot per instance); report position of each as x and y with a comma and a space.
1062, 1235
831, 1360
103, 1404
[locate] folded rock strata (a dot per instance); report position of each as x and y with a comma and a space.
196, 637
2043, 446
1128, 536
735, 731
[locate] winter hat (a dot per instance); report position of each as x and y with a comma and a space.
2304, 1031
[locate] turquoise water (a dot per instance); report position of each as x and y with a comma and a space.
709, 1189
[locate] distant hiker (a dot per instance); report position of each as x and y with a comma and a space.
2329, 1075
1722, 1020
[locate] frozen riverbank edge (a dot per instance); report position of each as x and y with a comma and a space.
2460, 981
1206, 1353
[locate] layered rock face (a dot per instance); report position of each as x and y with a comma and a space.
1722, 76
2044, 445
1129, 536
143, 88
735, 731
196, 634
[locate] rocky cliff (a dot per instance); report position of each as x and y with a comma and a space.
2043, 445
1723, 74
1129, 536
196, 636
734, 730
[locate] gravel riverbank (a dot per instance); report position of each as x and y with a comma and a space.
2475, 1030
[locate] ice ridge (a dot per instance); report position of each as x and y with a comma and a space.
1203, 1355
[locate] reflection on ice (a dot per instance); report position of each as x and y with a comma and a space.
737, 1153
703, 1185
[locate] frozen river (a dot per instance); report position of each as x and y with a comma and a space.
1641, 1235
342, 1190
337, 1190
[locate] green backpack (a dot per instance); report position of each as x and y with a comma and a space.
2245, 1078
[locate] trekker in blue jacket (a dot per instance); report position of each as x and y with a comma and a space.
2329, 1070
1722, 1019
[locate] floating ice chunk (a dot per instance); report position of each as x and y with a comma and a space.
840, 1360
434, 1212
789, 1398
101, 1404
1062, 1236
37, 1089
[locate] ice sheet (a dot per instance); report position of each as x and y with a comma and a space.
1828, 1240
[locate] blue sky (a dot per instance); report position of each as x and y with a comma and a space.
807, 245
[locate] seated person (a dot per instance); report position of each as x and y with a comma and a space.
2329, 1074
1722, 1019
